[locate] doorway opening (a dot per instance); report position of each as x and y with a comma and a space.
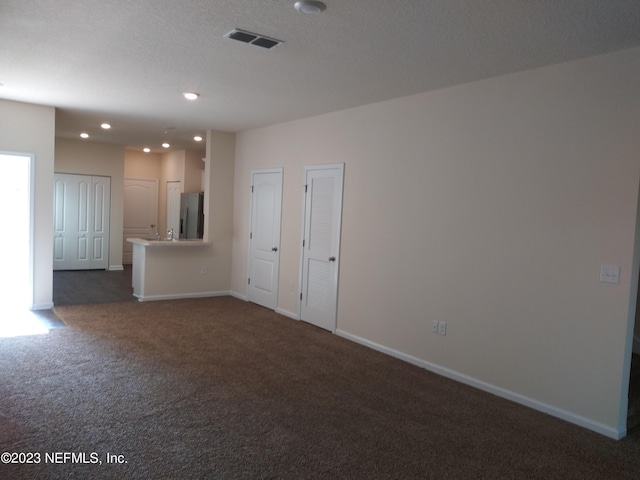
17, 212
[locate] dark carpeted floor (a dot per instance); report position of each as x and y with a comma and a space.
220, 388
82, 287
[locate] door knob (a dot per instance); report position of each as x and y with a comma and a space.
332, 259
274, 249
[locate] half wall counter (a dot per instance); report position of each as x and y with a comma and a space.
170, 269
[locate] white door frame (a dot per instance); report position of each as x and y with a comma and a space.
30, 294
279, 170
336, 265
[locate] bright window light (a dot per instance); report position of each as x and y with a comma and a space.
20, 321
15, 201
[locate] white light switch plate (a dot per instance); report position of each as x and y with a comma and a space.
610, 274
442, 328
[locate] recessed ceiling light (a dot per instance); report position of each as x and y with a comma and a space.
309, 7
190, 95
146, 149
106, 126
197, 138
84, 135
165, 145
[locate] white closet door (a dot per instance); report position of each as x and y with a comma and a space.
321, 245
83, 209
264, 243
81, 222
99, 234
66, 222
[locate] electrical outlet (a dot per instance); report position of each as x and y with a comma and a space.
434, 327
203, 270
442, 328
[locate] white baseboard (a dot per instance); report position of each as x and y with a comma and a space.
287, 313
278, 310
570, 417
239, 296
42, 306
116, 267
178, 296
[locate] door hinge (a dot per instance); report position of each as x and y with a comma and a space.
305, 189
248, 281
251, 188
303, 242
300, 295
250, 235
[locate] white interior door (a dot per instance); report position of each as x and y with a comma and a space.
264, 242
140, 213
81, 222
66, 221
321, 244
174, 189
99, 231
80, 253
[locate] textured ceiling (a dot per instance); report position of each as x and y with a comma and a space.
127, 62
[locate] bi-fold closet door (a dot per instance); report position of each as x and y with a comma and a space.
81, 222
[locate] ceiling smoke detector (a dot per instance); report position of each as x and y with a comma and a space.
309, 7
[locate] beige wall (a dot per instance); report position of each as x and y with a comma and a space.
490, 206
91, 158
142, 166
30, 129
218, 208
193, 167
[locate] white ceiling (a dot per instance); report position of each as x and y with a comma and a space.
127, 62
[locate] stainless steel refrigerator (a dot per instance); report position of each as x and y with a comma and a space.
191, 215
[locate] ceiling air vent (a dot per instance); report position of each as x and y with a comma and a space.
252, 38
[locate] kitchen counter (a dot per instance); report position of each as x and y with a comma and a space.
170, 269
182, 242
